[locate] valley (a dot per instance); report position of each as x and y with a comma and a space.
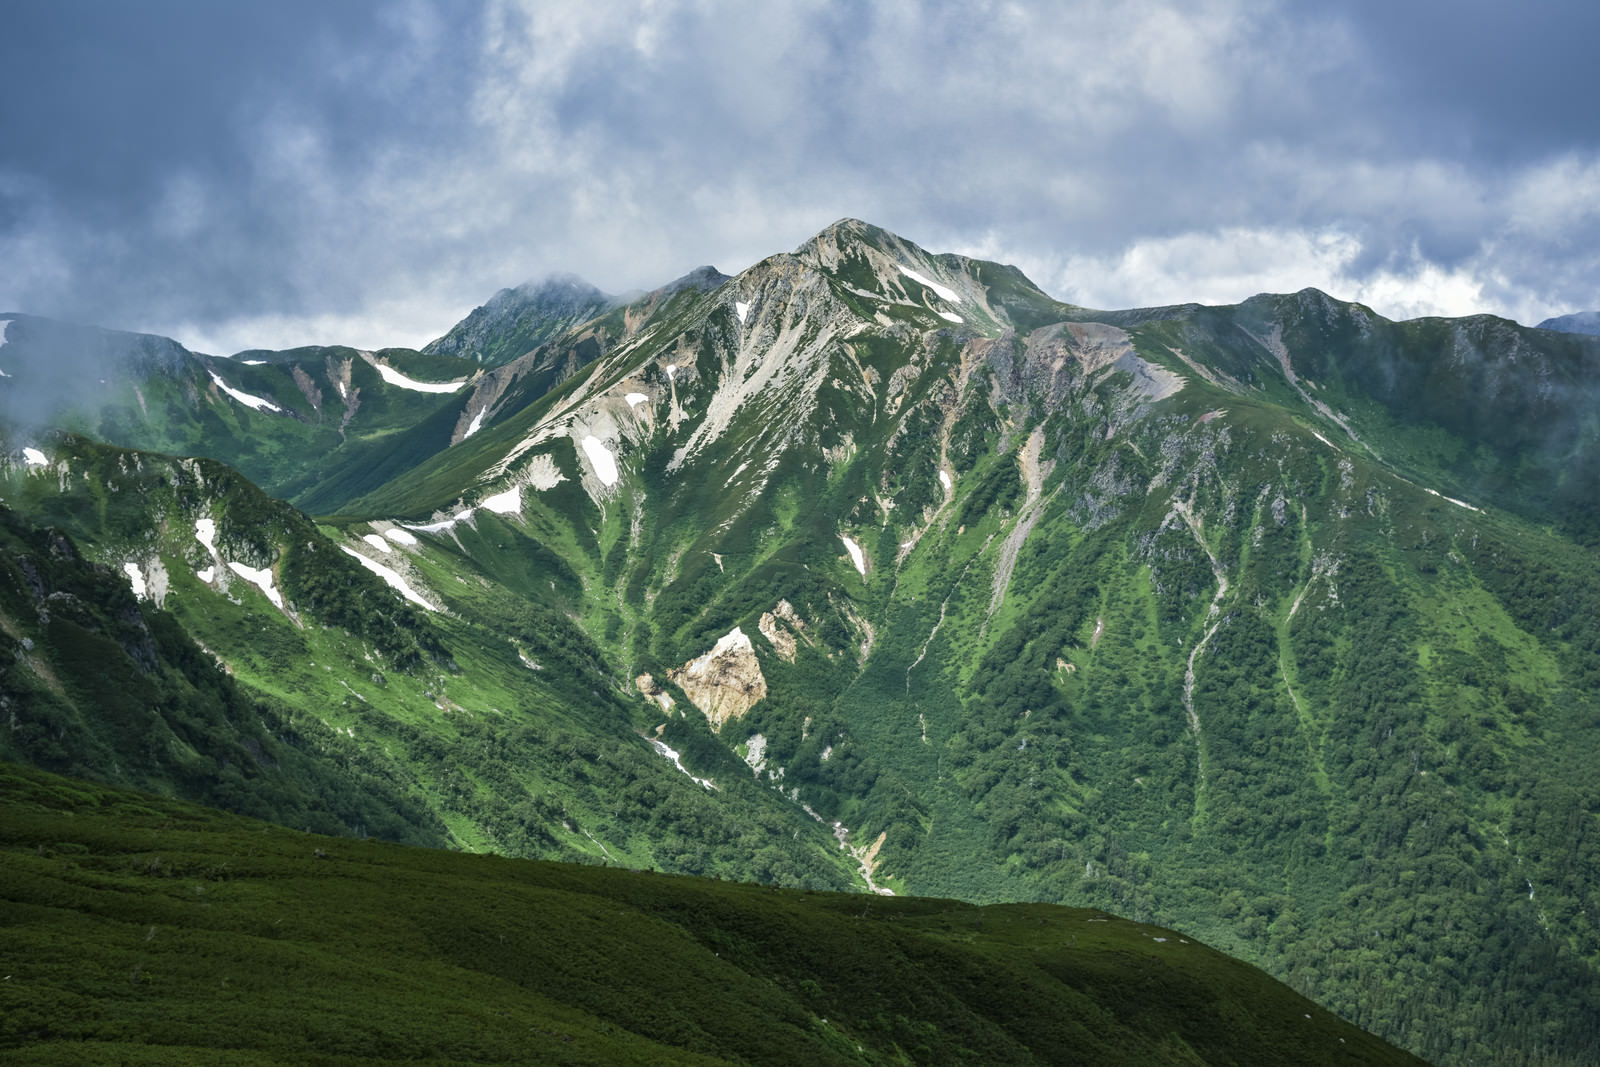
872, 569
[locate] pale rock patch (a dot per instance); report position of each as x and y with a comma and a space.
726, 682
780, 627
647, 685
542, 472
756, 753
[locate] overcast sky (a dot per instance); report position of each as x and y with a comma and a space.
269, 174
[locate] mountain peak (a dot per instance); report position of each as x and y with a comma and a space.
704, 278
515, 321
846, 236
1578, 322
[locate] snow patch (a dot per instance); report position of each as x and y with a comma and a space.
443, 524
396, 582
136, 579
944, 479
856, 555
399, 536
672, 371
742, 308
35, 458
262, 579
208, 575
601, 458
945, 293
951, 316
205, 531
1453, 500
247, 399
253, 362
677, 761
472, 427
506, 503
635, 399
377, 542
394, 377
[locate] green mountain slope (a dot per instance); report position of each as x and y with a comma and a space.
504, 731
1271, 623
516, 321
143, 930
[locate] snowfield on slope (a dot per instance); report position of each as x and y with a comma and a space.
394, 377
397, 583
600, 457
856, 555
261, 579
246, 399
943, 291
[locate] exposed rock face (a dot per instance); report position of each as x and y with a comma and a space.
779, 626
647, 685
725, 682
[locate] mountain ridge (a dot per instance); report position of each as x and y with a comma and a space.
1273, 621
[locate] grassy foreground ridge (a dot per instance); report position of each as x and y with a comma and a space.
140, 929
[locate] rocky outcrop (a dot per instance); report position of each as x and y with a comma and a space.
780, 627
725, 682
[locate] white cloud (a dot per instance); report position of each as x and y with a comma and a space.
1123, 152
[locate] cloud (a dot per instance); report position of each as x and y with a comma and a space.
377, 171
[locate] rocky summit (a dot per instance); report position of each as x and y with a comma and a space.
1276, 624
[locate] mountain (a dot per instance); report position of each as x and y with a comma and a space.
1586, 322
516, 321
1272, 623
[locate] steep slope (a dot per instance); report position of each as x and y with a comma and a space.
516, 321
141, 930
512, 736
1274, 623
1222, 617
104, 684
311, 425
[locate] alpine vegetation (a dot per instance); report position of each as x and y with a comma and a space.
1275, 626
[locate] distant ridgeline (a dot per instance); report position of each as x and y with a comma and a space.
1276, 624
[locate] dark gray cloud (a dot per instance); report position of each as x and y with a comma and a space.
242, 175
